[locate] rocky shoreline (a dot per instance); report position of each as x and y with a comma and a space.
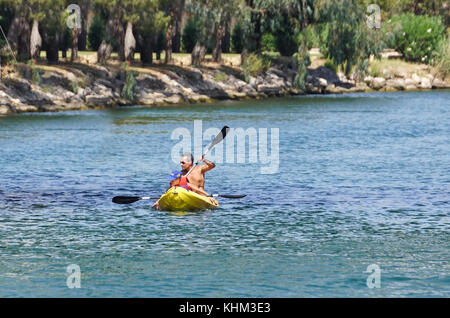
80, 86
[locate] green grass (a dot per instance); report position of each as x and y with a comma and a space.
137, 56
385, 67
220, 77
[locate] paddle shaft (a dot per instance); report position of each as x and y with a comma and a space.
216, 140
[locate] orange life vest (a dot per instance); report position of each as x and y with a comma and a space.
184, 183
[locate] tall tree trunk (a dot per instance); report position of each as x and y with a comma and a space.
82, 38
168, 50
198, 54
35, 41
115, 31
75, 33
53, 48
19, 34
146, 45
226, 37
120, 34
104, 52
129, 43
217, 52
176, 44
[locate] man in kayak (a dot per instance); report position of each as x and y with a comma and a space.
196, 179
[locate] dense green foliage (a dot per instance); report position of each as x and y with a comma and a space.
128, 90
96, 33
291, 27
441, 58
345, 37
416, 37
254, 64
190, 35
35, 72
268, 42
237, 40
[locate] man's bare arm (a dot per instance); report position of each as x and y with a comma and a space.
209, 165
196, 189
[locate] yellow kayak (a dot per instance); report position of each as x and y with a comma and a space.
180, 199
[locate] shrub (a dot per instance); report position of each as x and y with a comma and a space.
303, 61
415, 36
35, 72
220, 76
255, 64
375, 69
96, 33
268, 43
330, 65
311, 36
130, 82
237, 42
441, 58
190, 35
286, 42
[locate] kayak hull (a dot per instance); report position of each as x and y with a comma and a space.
180, 199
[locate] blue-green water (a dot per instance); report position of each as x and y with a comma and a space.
363, 179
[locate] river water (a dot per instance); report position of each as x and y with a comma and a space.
362, 182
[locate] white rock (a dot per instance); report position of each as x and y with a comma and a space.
425, 83
396, 83
4, 110
416, 78
96, 100
437, 83
368, 80
378, 82
174, 99
323, 82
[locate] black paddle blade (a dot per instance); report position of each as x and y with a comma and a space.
232, 196
125, 200
219, 137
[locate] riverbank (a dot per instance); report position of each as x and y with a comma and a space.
86, 85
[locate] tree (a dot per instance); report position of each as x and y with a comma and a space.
171, 9
176, 42
53, 26
212, 15
190, 34
96, 33
150, 26
237, 41
19, 31
115, 33
347, 39
85, 6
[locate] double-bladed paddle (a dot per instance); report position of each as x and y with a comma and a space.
127, 200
